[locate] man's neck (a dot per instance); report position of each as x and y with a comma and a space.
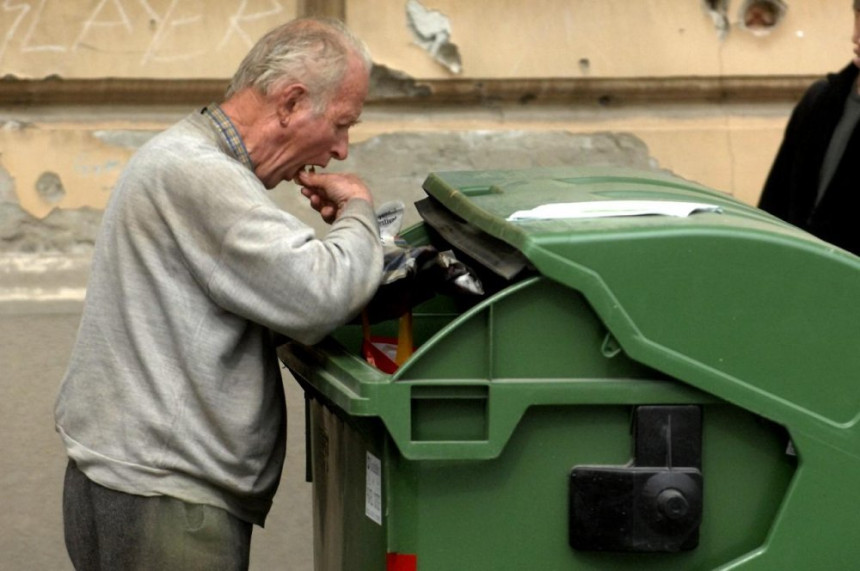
245, 109
254, 117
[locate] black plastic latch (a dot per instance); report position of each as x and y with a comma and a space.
654, 504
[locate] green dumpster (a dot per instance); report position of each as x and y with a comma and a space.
658, 377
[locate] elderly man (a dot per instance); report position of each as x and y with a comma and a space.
813, 180
172, 409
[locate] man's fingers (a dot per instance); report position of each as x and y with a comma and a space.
328, 213
328, 192
305, 178
314, 197
320, 203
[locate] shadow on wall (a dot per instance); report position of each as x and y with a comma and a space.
393, 165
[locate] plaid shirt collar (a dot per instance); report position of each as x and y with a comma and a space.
229, 134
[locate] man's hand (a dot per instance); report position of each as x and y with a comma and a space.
328, 193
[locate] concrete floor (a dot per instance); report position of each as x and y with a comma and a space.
35, 342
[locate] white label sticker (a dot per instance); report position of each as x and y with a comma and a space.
373, 489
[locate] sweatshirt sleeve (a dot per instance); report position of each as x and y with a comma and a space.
271, 269
197, 221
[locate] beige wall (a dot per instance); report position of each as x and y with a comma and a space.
496, 38
68, 157
641, 38
132, 38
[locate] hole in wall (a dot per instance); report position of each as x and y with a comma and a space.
50, 187
761, 16
584, 65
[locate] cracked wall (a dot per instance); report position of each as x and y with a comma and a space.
66, 166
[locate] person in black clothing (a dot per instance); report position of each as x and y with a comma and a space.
814, 182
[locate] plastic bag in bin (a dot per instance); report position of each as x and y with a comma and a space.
414, 274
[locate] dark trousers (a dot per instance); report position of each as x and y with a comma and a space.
108, 530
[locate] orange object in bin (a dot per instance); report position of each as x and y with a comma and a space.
387, 353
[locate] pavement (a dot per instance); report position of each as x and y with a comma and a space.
41, 298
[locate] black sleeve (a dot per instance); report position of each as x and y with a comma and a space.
775, 196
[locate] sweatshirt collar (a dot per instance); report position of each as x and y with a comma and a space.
228, 133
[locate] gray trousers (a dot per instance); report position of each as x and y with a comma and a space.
108, 530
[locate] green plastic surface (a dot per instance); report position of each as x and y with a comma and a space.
736, 303
736, 311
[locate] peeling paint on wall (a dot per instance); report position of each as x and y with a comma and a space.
387, 83
85, 167
7, 186
393, 165
65, 231
431, 30
12, 125
718, 10
124, 139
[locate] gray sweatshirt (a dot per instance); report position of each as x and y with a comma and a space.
173, 387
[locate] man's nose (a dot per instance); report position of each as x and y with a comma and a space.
340, 150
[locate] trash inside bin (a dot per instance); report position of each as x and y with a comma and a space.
655, 377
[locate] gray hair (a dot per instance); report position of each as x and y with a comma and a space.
312, 51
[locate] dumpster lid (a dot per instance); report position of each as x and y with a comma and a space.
644, 202
501, 258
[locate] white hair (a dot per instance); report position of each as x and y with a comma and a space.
312, 51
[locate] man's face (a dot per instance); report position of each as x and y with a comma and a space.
313, 139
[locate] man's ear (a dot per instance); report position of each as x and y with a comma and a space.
290, 98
